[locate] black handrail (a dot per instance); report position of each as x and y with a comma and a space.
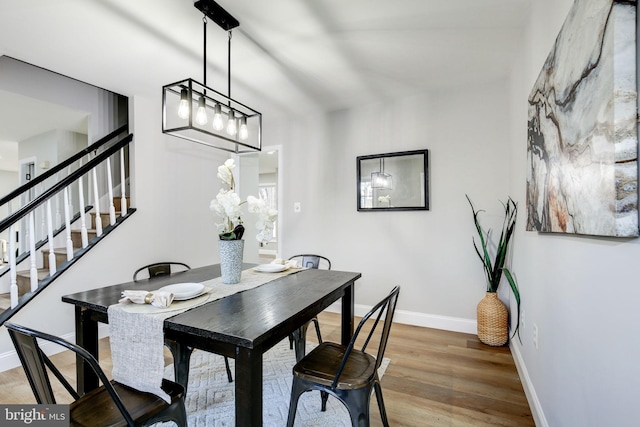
40, 178
22, 212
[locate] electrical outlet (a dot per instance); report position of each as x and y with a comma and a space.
535, 336
297, 207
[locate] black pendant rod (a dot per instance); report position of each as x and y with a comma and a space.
229, 68
204, 37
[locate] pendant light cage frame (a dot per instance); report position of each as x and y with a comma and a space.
198, 113
188, 128
381, 180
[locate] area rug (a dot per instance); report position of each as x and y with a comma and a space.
210, 397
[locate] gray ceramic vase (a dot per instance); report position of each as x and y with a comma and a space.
231, 252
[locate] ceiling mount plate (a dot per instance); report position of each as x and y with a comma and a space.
217, 14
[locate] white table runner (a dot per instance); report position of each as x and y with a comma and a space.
137, 331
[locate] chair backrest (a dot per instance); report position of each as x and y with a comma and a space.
159, 269
384, 310
35, 364
313, 261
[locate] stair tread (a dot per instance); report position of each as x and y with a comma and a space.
42, 273
57, 251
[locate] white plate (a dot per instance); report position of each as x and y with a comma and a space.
184, 291
271, 268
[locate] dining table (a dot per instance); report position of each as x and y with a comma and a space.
242, 326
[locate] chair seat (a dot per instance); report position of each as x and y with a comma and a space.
322, 363
97, 407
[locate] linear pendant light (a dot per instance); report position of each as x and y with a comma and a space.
381, 179
198, 113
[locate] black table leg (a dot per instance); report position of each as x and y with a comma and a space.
181, 357
87, 338
348, 314
248, 387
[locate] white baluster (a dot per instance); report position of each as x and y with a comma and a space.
22, 242
67, 224
70, 201
52, 255
13, 279
43, 226
123, 188
83, 221
33, 270
58, 221
96, 203
112, 208
23, 245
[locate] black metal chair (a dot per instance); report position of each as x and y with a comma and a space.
158, 269
346, 373
111, 404
310, 261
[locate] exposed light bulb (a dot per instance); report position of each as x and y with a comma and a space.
232, 127
218, 123
243, 133
183, 107
201, 114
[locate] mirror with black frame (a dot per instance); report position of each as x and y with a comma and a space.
393, 181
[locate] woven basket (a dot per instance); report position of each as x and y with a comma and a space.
493, 320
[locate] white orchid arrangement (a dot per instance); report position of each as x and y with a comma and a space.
227, 205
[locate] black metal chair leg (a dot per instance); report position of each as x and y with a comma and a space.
317, 325
181, 357
226, 365
357, 402
383, 412
324, 396
297, 388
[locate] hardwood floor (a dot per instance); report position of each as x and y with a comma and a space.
435, 378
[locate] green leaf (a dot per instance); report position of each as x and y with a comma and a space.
516, 295
228, 236
494, 270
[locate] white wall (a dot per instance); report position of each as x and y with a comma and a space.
9, 180
581, 292
45, 86
428, 253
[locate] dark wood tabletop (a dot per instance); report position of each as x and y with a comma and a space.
242, 326
98, 300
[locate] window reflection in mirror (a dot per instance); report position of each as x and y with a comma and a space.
393, 181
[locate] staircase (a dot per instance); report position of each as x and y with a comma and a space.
60, 253
53, 233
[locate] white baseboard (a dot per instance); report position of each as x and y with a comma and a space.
448, 323
10, 360
529, 391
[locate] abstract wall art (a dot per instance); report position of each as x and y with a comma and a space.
582, 127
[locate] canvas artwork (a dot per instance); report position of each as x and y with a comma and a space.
582, 126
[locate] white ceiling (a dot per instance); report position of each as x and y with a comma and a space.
287, 55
